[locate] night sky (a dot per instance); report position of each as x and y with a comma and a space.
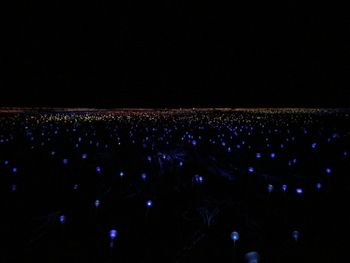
174, 54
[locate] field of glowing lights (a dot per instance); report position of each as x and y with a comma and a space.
189, 185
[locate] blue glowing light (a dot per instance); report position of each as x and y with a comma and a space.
314, 145
84, 156
181, 163
113, 234
14, 170
318, 186
121, 174
252, 257
65, 161
284, 187
273, 155
234, 236
258, 155
149, 203
13, 188
143, 176
198, 179
296, 235
270, 188
299, 191
194, 142
62, 219
6, 162
149, 158
53, 153
251, 169
97, 203
328, 170
98, 169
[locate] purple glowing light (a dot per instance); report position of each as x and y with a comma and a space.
62, 219
299, 191
284, 187
113, 234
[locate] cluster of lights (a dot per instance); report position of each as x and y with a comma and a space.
198, 179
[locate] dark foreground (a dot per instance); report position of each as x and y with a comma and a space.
171, 186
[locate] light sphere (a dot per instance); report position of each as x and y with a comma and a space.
296, 235
113, 234
234, 236
149, 203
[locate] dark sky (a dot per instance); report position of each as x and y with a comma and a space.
174, 54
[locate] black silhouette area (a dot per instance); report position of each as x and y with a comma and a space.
171, 186
174, 54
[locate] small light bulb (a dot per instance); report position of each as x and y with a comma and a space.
113, 234
234, 236
270, 188
149, 203
299, 191
284, 187
62, 219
